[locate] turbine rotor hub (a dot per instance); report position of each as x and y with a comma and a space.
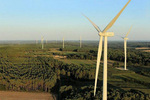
109, 34
125, 38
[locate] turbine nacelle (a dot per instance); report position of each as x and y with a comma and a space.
109, 34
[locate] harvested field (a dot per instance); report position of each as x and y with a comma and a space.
146, 50
8, 95
142, 48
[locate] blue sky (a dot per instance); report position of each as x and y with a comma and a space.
54, 19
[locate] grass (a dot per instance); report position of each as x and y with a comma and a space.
91, 63
138, 77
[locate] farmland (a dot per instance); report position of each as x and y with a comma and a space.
69, 73
9, 95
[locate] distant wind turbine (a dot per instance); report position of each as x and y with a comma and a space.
125, 48
63, 43
42, 42
104, 34
80, 42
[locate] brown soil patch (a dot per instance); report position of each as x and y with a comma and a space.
121, 68
142, 48
61, 57
8, 95
42, 55
146, 50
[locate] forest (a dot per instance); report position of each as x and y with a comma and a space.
27, 67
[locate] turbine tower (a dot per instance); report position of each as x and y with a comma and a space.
80, 42
63, 43
42, 42
125, 48
104, 34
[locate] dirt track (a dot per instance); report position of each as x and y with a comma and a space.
6, 95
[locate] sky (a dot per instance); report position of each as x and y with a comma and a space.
55, 19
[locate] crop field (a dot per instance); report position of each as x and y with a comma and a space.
69, 73
144, 49
6, 95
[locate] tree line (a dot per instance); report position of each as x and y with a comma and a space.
133, 56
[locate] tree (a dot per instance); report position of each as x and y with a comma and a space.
63, 72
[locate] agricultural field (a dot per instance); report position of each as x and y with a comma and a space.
69, 73
9, 95
144, 49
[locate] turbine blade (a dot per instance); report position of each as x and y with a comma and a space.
120, 36
98, 62
96, 27
128, 32
115, 18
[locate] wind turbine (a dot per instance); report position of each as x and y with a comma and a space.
80, 42
104, 34
42, 42
63, 43
125, 48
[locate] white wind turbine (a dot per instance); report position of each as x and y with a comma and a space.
80, 42
42, 38
104, 34
63, 43
125, 48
